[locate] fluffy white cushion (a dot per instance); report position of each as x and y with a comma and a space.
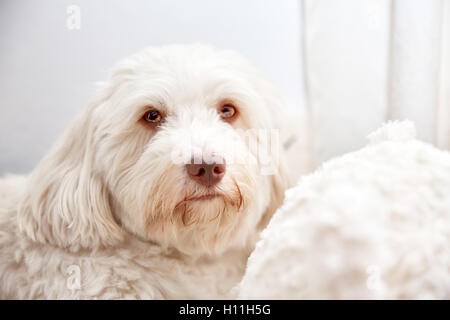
374, 223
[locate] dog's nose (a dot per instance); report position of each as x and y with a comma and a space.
206, 174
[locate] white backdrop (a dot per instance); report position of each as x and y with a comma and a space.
47, 70
368, 61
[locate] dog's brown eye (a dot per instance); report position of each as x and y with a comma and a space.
227, 111
153, 116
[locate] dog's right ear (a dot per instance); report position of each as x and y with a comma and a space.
66, 203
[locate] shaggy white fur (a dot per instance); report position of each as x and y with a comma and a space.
371, 224
111, 211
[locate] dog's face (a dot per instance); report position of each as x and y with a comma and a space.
170, 151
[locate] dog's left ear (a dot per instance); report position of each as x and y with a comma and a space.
67, 203
280, 180
279, 183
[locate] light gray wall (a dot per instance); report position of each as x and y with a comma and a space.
47, 71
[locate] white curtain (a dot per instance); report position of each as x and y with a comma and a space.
368, 61
443, 111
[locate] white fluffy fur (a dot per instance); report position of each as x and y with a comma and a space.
106, 199
371, 224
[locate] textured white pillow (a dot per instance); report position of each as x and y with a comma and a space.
371, 224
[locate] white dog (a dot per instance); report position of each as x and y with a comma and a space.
153, 192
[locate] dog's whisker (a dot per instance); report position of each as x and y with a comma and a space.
217, 215
241, 199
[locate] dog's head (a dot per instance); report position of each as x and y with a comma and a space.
179, 147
